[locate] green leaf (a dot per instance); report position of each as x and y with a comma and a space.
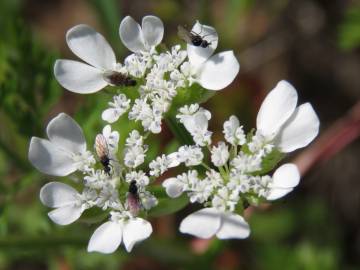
166, 205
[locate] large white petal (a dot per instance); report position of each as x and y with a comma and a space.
65, 215
91, 47
79, 77
285, 179
50, 159
286, 176
203, 224
300, 129
131, 34
277, 193
277, 107
135, 230
219, 71
198, 55
106, 238
64, 132
173, 187
56, 194
233, 226
153, 30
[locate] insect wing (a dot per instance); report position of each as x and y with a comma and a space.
101, 146
184, 34
134, 205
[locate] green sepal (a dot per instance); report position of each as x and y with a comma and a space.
270, 161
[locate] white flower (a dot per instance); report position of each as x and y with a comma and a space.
191, 155
175, 186
190, 110
288, 126
225, 199
233, 132
108, 197
140, 177
220, 154
148, 200
144, 38
134, 139
65, 199
162, 164
108, 237
244, 163
112, 138
284, 180
213, 72
197, 125
118, 107
136, 64
91, 47
134, 156
209, 222
150, 117
64, 152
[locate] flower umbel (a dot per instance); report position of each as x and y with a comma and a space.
238, 175
118, 177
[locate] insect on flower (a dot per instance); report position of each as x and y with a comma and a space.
102, 151
133, 199
193, 38
115, 78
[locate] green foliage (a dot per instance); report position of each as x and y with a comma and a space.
349, 31
270, 161
166, 205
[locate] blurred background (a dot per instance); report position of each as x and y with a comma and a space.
315, 44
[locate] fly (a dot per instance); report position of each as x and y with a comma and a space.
193, 38
102, 151
115, 78
133, 199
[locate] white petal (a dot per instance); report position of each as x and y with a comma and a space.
173, 187
50, 159
56, 194
219, 71
91, 47
173, 160
233, 226
131, 34
65, 215
203, 224
78, 77
110, 115
285, 179
153, 30
277, 107
198, 55
136, 230
300, 129
106, 131
277, 193
286, 176
64, 132
196, 122
106, 238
